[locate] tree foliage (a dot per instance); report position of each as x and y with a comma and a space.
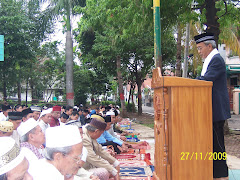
23, 31
125, 30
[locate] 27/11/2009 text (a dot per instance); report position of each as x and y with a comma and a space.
203, 156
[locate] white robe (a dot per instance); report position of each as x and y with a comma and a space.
2, 117
43, 125
43, 170
16, 137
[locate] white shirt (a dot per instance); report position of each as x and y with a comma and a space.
30, 156
2, 117
114, 134
43, 170
43, 125
16, 137
208, 60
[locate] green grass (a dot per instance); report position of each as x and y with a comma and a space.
151, 125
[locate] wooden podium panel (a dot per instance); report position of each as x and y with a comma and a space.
183, 128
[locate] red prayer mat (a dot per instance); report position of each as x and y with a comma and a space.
135, 163
136, 178
130, 157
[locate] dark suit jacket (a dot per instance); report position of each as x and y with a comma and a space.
216, 72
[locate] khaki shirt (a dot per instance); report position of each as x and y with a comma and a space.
97, 156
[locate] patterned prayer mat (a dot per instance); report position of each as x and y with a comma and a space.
136, 178
121, 157
133, 163
135, 151
136, 171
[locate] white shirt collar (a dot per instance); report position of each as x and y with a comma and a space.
208, 60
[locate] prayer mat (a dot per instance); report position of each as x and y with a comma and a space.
136, 178
130, 151
130, 157
140, 145
143, 171
135, 151
133, 163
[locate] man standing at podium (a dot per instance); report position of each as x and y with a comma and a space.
214, 70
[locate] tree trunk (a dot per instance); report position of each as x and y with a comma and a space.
19, 92
69, 63
120, 86
179, 49
4, 90
139, 85
130, 92
34, 99
133, 109
186, 52
212, 19
26, 92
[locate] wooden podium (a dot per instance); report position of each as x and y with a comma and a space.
183, 128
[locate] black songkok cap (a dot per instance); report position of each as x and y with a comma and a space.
204, 37
15, 115
107, 118
26, 112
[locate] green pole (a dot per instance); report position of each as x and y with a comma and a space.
1, 47
157, 34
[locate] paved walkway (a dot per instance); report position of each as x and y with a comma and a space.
232, 161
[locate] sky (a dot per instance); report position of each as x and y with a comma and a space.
58, 34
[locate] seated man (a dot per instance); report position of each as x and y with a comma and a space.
69, 110
32, 138
63, 119
27, 114
63, 154
107, 139
114, 115
16, 119
4, 113
97, 156
45, 119
74, 115
56, 113
18, 108
36, 112
13, 164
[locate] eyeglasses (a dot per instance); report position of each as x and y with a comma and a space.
200, 47
77, 160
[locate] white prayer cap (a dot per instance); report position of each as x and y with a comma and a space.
10, 154
110, 113
75, 107
62, 136
26, 126
44, 112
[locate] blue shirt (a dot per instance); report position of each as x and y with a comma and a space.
106, 136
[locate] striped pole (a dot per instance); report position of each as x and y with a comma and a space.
157, 34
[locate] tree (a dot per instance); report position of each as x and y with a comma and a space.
122, 36
51, 67
216, 14
111, 32
23, 32
65, 7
